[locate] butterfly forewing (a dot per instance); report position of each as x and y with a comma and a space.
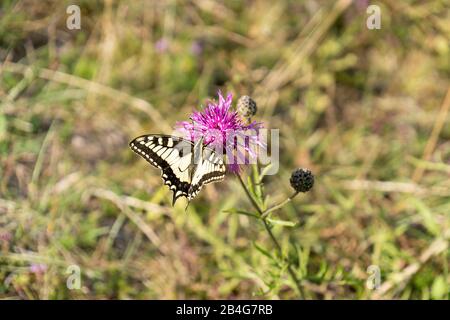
170, 154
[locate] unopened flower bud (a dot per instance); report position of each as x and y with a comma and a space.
246, 106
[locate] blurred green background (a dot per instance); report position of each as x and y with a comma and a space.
366, 110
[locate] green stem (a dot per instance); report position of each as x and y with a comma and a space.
278, 206
252, 200
272, 237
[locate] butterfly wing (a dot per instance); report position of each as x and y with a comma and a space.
172, 155
210, 169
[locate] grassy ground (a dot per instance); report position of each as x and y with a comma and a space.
365, 110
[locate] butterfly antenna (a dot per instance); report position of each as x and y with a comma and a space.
207, 144
194, 128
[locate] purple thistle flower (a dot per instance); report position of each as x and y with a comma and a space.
197, 47
223, 130
38, 268
162, 45
5, 236
362, 4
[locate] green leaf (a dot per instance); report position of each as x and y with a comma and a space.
427, 216
439, 289
264, 252
283, 223
245, 213
264, 172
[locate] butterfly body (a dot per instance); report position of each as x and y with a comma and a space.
185, 166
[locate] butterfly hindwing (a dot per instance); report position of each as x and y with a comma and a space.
210, 169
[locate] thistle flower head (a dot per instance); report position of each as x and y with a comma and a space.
197, 47
162, 45
5, 236
223, 130
38, 268
302, 180
246, 106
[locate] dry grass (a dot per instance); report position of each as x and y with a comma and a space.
366, 110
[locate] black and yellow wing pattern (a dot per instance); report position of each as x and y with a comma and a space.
174, 156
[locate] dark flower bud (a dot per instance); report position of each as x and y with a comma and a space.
246, 106
302, 180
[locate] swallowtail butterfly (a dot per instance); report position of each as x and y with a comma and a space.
185, 166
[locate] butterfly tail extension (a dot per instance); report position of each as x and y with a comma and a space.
187, 205
174, 199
